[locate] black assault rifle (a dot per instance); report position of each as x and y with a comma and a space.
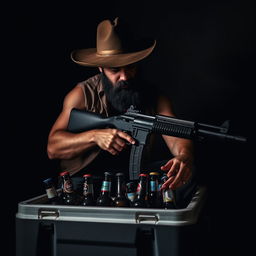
139, 126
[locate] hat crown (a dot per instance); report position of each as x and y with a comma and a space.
108, 41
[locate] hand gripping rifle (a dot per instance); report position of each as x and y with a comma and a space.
139, 126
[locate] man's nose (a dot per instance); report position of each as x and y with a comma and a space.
124, 74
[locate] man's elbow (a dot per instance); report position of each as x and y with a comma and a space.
51, 152
54, 153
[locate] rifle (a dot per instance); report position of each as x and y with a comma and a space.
139, 126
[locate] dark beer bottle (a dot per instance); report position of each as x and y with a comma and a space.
120, 199
88, 193
141, 193
104, 198
168, 196
131, 191
69, 196
154, 200
51, 191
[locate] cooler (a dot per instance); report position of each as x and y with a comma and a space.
59, 230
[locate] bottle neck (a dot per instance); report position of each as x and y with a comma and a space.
120, 187
141, 188
153, 185
88, 188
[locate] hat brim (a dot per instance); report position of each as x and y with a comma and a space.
89, 57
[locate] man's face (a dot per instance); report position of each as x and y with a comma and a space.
118, 74
122, 88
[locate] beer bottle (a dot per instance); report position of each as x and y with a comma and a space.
141, 193
104, 198
120, 199
154, 200
168, 196
131, 191
51, 192
69, 196
88, 193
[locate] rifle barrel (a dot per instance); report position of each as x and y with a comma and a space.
222, 135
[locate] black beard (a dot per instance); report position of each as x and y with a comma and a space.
123, 94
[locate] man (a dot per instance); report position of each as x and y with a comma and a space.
111, 92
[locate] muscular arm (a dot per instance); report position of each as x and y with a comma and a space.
65, 145
180, 166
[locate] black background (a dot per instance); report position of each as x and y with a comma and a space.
204, 60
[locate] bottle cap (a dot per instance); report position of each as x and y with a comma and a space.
153, 173
64, 173
108, 173
87, 175
143, 175
119, 174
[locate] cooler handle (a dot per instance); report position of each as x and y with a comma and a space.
146, 218
48, 213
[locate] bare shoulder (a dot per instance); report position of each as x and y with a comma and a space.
74, 99
164, 105
83, 92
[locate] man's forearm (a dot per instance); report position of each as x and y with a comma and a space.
180, 147
66, 145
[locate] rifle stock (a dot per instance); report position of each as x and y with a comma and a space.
81, 121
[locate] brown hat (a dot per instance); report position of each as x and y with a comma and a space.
113, 49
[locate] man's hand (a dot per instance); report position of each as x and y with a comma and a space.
179, 171
112, 140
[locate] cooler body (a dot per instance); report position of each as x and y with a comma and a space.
60, 230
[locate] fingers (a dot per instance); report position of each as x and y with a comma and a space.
117, 146
167, 166
179, 175
174, 169
117, 143
180, 179
168, 182
126, 137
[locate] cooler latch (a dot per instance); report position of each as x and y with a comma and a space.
48, 213
146, 218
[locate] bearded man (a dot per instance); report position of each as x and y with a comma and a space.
117, 86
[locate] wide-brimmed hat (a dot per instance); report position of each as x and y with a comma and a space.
114, 47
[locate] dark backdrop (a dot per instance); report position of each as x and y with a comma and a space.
204, 60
